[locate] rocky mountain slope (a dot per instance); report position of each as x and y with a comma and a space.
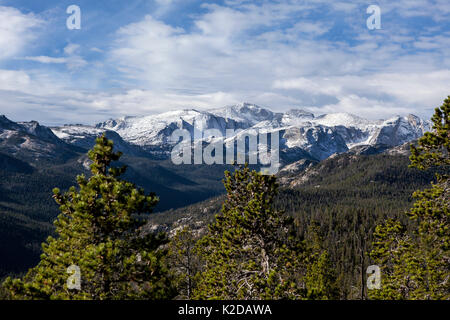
302, 134
32, 142
84, 137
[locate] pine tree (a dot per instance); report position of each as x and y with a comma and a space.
434, 146
393, 253
320, 281
3, 293
183, 261
98, 233
423, 261
250, 251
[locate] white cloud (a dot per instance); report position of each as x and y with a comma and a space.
271, 53
72, 60
16, 31
377, 95
314, 28
282, 65
12, 80
71, 48
95, 49
46, 59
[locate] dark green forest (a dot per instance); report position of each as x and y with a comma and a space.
27, 210
349, 197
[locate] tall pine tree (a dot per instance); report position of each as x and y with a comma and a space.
183, 261
320, 281
418, 266
250, 252
99, 238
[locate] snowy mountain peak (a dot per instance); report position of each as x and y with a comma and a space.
42, 132
299, 113
31, 141
399, 130
301, 131
247, 113
84, 136
343, 119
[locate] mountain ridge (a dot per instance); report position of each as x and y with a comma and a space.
319, 136
303, 135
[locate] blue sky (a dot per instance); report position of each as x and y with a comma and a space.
140, 57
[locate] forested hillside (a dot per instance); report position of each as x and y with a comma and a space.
27, 210
347, 196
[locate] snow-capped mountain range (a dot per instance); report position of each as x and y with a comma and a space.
302, 134
300, 130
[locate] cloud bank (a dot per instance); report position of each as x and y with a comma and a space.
281, 54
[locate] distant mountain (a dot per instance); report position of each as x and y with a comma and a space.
302, 134
245, 113
398, 130
32, 142
84, 137
154, 132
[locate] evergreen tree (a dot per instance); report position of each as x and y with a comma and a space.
393, 252
250, 251
320, 278
99, 235
434, 146
3, 293
183, 261
424, 260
